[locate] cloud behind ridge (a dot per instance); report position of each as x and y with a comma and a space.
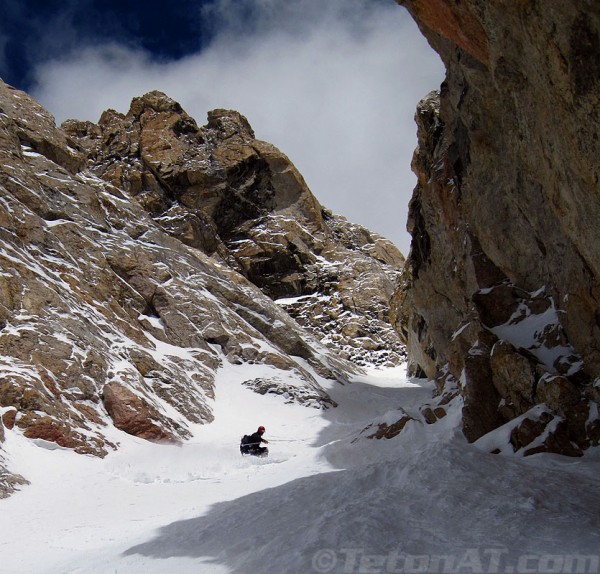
333, 84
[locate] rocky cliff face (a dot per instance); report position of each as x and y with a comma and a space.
139, 254
219, 189
501, 296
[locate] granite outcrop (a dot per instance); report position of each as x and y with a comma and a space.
141, 254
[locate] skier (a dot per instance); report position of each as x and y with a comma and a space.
251, 443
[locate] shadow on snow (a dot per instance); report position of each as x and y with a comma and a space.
443, 498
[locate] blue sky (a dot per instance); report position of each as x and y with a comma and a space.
333, 83
34, 31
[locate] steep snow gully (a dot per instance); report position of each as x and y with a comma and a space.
328, 499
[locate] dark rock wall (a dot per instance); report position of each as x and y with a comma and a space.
507, 195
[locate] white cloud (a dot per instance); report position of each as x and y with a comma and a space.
333, 84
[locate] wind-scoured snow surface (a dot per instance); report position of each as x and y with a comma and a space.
327, 499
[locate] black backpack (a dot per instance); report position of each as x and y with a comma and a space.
245, 444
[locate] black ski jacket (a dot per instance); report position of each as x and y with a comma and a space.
255, 439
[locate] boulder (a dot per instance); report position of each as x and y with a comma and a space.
557, 392
543, 432
386, 430
514, 377
134, 415
309, 395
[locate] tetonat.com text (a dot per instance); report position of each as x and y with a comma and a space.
470, 561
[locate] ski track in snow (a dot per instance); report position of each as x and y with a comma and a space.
324, 500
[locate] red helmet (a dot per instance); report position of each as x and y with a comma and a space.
261, 429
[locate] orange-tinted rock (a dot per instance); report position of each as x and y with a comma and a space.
454, 20
47, 429
130, 413
8, 418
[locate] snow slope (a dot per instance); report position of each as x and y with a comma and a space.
326, 500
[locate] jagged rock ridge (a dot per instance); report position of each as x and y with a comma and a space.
131, 253
219, 189
500, 299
